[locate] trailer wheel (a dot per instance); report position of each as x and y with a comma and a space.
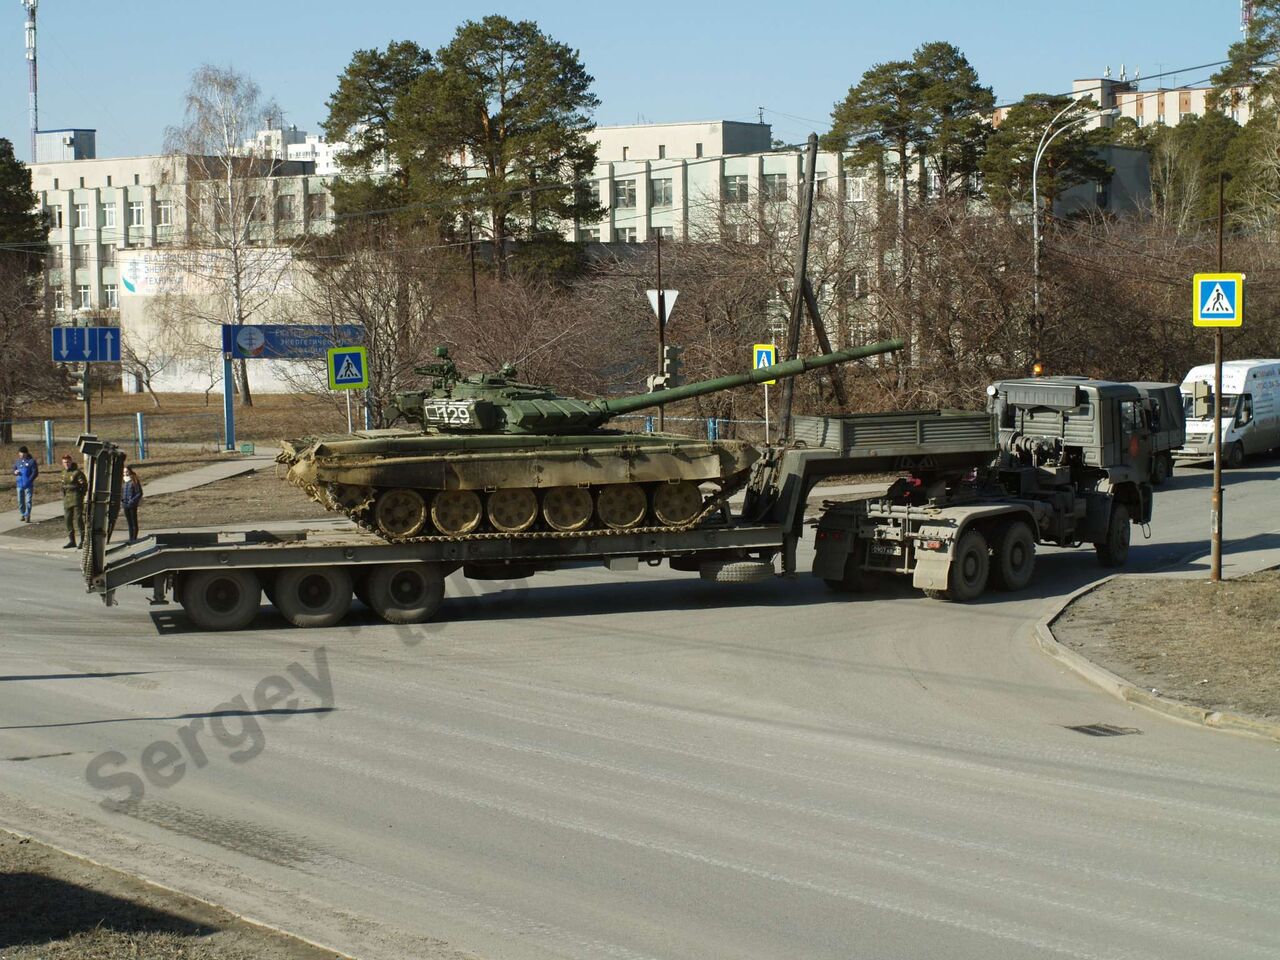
405, 592
313, 596
221, 599
1015, 557
970, 566
1114, 550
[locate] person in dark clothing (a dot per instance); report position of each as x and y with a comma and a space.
74, 487
130, 497
25, 470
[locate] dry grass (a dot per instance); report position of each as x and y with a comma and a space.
1213, 645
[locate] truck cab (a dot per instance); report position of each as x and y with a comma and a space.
1247, 413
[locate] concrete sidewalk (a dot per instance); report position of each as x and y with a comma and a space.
173, 483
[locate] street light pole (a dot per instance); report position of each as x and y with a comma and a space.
1047, 138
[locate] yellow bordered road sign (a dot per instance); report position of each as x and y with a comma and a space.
348, 368
764, 355
1218, 300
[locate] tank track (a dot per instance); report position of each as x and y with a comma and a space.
709, 507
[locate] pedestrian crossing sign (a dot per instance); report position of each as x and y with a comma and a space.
764, 355
1219, 300
348, 368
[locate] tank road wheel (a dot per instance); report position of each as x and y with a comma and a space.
456, 512
400, 513
1014, 557
221, 599
313, 596
567, 508
405, 592
676, 503
352, 499
512, 511
621, 505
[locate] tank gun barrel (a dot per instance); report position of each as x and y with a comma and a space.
778, 371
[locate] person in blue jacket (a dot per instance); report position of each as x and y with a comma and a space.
25, 470
130, 497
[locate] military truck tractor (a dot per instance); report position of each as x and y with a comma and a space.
1060, 461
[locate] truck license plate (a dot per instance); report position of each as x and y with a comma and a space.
885, 548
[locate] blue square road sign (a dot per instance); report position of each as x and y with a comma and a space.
348, 368
1219, 300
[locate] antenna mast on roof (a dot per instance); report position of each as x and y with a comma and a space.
32, 109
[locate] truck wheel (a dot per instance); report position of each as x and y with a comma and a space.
221, 599
313, 596
405, 592
1015, 557
1161, 469
1114, 550
969, 568
1234, 457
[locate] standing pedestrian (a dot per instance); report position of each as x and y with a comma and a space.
25, 470
74, 487
130, 497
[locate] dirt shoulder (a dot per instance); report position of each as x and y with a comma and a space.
255, 497
1215, 646
57, 907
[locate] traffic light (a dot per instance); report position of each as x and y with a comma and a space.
77, 385
671, 364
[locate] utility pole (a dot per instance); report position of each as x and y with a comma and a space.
1215, 520
662, 331
32, 104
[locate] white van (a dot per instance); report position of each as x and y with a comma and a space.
1249, 410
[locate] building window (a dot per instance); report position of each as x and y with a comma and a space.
55, 257
735, 189
316, 206
666, 233
135, 212
82, 255
662, 151
286, 209
624, 193
819, 181
164, 213
82, 297
1160, 118
82, 215
736, 231
257, 209
593, 192
59, 299
591, 235
855, 188
108, 254
660, 192
110, 296
774, 186
624, 234
108, 214
624, 152
55, 218
697, 150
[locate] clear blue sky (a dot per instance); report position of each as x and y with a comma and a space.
122, 66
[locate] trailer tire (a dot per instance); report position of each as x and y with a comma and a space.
1014, 557
970, 567
405, 592
737, 571
221, 599
313, 596
1113, 551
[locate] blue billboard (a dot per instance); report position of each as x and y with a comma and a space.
287, 341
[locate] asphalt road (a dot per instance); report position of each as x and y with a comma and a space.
597, 765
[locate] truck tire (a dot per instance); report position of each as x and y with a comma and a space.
1233, 458
970, 566
1113, 551
313, 596
1014, 557
1161, 469
736, 571
405, 592
221, 599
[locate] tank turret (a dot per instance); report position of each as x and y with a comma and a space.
497, 403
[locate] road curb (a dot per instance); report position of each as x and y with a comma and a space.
1127, 691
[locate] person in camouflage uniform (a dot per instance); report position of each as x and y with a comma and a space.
74, 487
